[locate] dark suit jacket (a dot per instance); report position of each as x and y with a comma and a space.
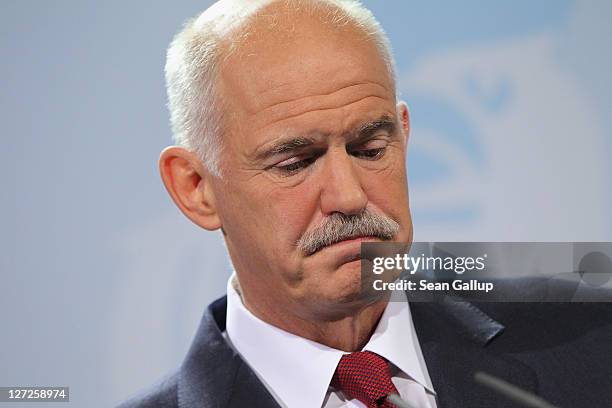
562, 352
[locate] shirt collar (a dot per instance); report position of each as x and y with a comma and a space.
395, 339
298, 371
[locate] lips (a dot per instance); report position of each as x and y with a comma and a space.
347, 240
348, 250
350, 258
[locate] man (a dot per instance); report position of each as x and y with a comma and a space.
291, 142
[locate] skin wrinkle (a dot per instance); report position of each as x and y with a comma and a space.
292, 182
286, 118
259, 169
309, 96
264, 144
262, 153
286, 114
319, 81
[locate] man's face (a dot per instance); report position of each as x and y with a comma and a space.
312, 131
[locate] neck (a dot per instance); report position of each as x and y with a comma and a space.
349, 330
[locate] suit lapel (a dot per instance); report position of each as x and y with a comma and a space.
454, 336
213, 375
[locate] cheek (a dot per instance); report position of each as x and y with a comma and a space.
388, 175
388, 191
292, 210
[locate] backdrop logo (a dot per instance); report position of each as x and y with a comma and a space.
490, 154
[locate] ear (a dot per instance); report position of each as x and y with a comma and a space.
404, 118
190, 185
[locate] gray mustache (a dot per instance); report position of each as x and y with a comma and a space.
340, 227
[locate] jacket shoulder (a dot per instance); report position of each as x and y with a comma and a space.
161, 395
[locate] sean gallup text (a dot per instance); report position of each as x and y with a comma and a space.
425, 285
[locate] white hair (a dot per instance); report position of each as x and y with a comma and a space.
196, 106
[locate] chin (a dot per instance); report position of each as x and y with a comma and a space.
340, 293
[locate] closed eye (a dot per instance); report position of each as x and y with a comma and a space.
372, 150
294, 164
370, 154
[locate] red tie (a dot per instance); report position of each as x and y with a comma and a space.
365, 376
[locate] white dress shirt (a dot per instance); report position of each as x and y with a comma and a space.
298, 372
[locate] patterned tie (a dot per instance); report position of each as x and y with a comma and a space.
365, 376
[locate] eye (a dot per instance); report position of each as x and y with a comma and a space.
294, 164
370, 154
372, 150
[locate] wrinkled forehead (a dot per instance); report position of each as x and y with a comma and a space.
285, 53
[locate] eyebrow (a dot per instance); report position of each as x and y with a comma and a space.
285, 146
362, 132
368, 129
291, 144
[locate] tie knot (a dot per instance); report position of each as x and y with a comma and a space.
365, 376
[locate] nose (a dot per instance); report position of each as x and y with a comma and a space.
342, 190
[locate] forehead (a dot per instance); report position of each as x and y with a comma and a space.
286, 62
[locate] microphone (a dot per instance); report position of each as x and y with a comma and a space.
512, 392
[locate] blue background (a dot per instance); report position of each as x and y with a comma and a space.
103, 280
